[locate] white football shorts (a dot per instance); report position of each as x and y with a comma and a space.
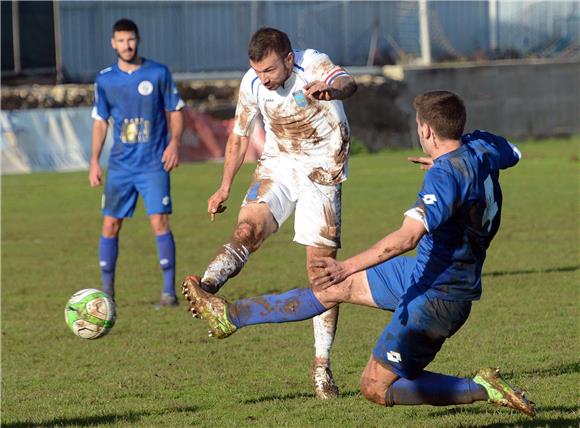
283, 184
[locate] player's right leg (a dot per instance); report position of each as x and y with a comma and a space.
108, 252
118, 202
268, 203
255, 224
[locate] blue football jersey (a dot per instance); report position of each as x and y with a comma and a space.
137, 102
460, 202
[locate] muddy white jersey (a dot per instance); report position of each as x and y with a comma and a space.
314, 132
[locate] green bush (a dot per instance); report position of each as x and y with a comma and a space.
357, 147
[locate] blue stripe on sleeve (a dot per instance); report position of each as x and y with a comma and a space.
253, 81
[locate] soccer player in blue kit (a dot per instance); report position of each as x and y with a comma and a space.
140, 96
456, 216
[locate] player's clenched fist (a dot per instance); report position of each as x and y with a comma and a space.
319, 91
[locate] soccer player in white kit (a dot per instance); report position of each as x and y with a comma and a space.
304, 162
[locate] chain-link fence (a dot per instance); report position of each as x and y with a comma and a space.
543, 29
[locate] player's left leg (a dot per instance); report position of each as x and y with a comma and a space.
317, 226
419, 327
381, 385
119, 200
299, 304
324, 332
155, 189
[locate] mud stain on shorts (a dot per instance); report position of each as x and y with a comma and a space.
331, 229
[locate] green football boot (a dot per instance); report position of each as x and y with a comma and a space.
502, 394
212, 308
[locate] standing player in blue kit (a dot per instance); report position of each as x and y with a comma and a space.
141, 98
453, 221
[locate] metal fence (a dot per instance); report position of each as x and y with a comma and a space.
206, 36
539, 28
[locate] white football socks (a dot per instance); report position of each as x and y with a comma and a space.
324, 332
228, 262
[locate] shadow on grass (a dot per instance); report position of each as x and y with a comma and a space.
541, 420
527, 271
293, 396
553, 371
110, 419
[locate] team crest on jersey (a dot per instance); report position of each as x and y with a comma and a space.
145, 87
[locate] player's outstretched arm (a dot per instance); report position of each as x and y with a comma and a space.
396, 243
235, 152
424, 162
342, 87
98, 140
170, 156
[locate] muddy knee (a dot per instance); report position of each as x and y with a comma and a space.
372, 390
250, 234
337, 293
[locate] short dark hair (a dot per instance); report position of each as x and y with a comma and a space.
443, 111
267, 40
125, 24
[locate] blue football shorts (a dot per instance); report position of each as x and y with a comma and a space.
123, 188
420, 322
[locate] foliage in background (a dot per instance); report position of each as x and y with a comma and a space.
357, 147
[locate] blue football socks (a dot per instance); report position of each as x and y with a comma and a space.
108, 251
434, 389
295, 305
166, 252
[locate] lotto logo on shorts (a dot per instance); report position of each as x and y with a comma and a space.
429, 199
393, 356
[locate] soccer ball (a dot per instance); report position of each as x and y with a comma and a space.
90, 313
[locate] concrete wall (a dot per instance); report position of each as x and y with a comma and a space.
520, 100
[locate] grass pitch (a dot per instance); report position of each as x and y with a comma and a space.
158, 367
